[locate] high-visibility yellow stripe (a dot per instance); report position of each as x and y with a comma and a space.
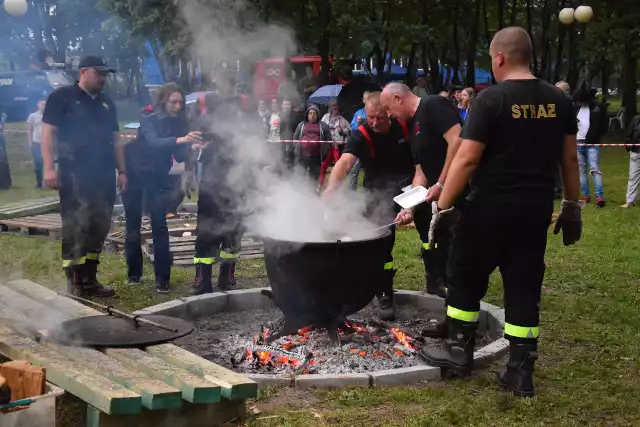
521, 331
93, 257
207, 261
71, 262
465, 316
227, 255
427, 246
388, 266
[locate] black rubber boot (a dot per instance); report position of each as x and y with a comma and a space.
74, 280
434, 285
386, 301
202, 284
518, 377
227, 275
456, 356
90, 285
436, 330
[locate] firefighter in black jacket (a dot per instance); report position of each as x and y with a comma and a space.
218, 232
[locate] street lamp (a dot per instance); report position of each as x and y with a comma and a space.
16, 8
582, 14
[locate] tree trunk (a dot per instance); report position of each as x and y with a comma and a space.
604, 75
487, 34
434, 71
562, 31
410, 77
471, 51
514, 12
456, 47
324, 15
530, 31
500, 14
629, 80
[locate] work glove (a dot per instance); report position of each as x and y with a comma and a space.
188, 183
437, 216
569, 221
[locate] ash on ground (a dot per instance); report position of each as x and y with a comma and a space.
232, 339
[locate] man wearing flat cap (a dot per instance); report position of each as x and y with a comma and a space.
81, 124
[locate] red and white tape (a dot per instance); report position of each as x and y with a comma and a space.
298, 141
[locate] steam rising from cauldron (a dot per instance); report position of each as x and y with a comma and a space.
274, 202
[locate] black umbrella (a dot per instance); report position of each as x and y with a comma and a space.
350, 97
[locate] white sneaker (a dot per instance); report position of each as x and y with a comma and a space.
628, 205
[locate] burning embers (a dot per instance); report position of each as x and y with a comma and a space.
362, 345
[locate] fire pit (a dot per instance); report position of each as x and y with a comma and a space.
234, 330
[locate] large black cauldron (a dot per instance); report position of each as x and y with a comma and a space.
319, 283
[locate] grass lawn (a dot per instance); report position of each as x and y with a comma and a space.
589, 367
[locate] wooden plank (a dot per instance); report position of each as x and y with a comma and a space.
194, 388
28, 210
234, 386
100, 392
27, 203
242, 386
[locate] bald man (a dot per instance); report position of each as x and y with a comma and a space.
434, 128
381, 146
515, 136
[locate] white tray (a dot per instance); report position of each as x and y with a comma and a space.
412, 197
407, 188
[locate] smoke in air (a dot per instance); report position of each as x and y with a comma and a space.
273, 202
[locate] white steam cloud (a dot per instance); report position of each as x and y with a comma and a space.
274, 202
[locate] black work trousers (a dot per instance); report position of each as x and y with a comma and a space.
511, 236
219, 229
86, 205
435, 258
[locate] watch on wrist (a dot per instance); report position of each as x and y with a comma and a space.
439, 185
122, 172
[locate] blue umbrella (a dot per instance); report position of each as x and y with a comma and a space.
325, 94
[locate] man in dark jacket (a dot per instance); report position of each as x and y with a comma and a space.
592, 126
309, 155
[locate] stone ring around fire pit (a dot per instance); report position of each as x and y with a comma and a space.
241, 302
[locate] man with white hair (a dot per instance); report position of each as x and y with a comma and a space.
434, 131
564, 87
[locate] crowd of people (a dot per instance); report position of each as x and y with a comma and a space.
518, 140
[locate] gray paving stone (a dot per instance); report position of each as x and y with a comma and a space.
265, 380
348, 380
207, 304
420, 299
490, 352
246, 299
402, 376
174, 308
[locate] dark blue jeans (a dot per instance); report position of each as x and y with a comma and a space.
156, 188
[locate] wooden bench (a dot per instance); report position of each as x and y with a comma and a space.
151, 387
30, 207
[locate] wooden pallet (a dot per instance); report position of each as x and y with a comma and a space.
183, 249
123, 387
38, 225
30, 207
